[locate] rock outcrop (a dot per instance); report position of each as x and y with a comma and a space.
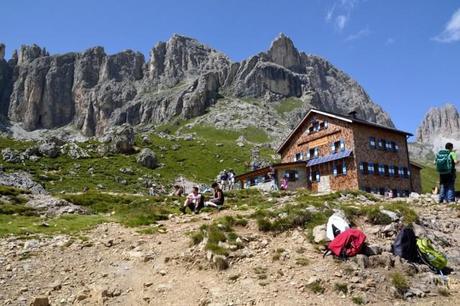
440, 125
94, 91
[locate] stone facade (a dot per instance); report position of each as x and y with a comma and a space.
415, 178
334, 134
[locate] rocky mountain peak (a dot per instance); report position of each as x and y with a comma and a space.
29, 53
283, 52
439, 121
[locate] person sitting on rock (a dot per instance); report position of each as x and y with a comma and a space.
218, 200
194, 201
178, 190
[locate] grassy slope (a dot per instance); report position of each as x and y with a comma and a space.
430, 178
288, 105
198, 160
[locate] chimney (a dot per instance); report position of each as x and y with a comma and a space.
353, 114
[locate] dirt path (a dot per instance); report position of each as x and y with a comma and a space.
118, 266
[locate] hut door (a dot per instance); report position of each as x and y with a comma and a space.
324, 184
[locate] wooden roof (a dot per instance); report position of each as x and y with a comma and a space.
341, 117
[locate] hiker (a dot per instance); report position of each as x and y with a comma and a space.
231, 179
194, 201
224, 179
284, 183
272, 179
151, 191
218, 200
178, 191
445, 164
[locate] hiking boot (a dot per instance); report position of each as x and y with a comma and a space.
182, 209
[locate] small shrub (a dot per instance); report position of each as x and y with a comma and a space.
276, 257
302, 261
399, 281
316, 287
341, 287
234, 277
264, 225
357, 300
443, 291
197, 237
220, 263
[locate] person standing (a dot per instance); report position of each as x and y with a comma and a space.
445, 165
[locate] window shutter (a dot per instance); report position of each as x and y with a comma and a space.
334, 169
296, 175
361, 167
308, 153
316, 152
309, 176
301, 155
332, 148
396, 148
326, 124
342, 145
408, 172
317, 177
344, 168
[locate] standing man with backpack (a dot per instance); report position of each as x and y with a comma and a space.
445, 165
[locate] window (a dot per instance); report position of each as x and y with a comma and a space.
382, 191
339, 168
394, 147
292, 175
405, 172
317, 126
391, 170
368, 189
314, 176
372, 142
386, 170
312, 153
338, 145
371, 168
376, 169
363, 168
381, 169
380, 144
298, 156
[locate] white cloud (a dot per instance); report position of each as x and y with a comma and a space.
390, 41
360, 34
451, 32
341, 21
340, 12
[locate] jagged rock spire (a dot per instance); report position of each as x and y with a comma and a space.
283, 52
443, 121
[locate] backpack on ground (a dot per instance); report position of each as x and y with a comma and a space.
336, 224
444, 164
430, 256
405, 244
347, 243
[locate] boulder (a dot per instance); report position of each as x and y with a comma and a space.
49, 149
319, 233
74, 151
122, 139
21, 180
11, 156
51, 206
147, 158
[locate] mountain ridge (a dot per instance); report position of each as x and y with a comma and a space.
93, 91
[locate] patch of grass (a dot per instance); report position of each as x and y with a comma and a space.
131, 211
430, 178
341, 287
302, 261
220, 263
443, 291
358, 300
30, 225
375, 216
261, 272
399, 281
197, 237
316, 287
288, 105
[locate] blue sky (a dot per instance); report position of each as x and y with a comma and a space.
406, 54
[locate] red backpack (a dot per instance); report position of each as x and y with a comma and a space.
347, 243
